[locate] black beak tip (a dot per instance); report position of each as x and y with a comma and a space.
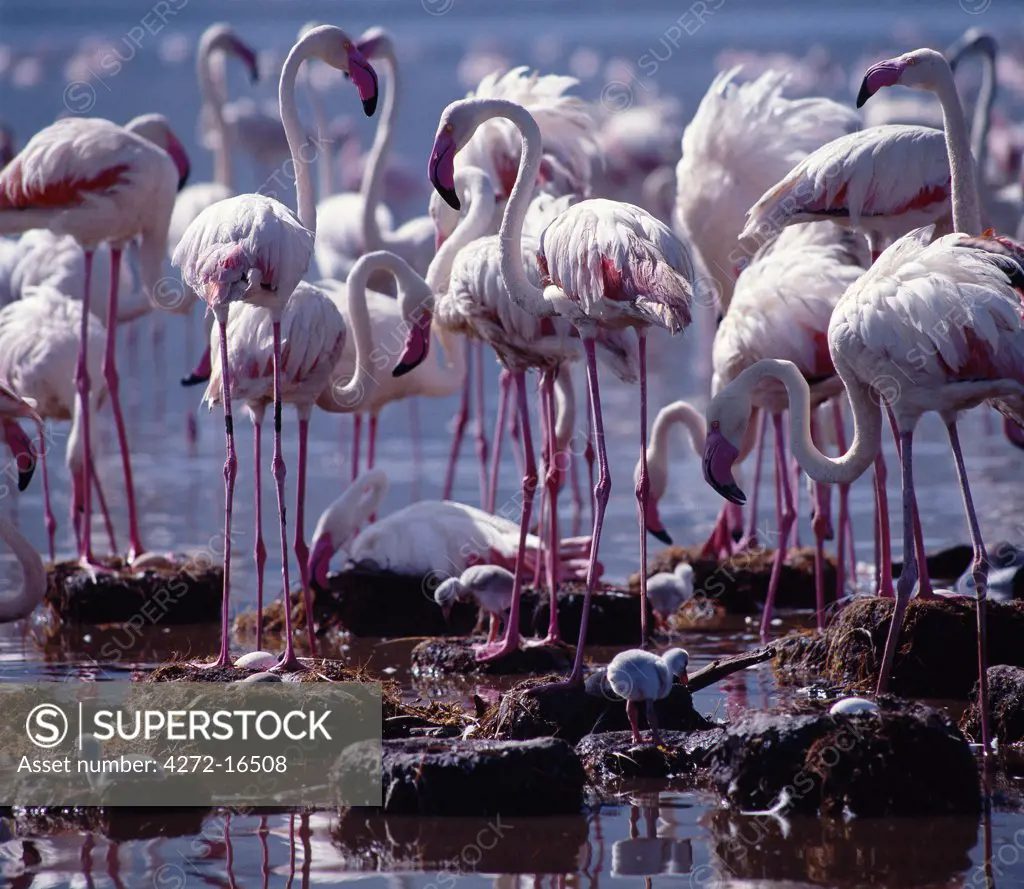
25, 476
449, 195
402, 369
733, 494
863, 95
663, 536
183, 180
194, 380
370, 105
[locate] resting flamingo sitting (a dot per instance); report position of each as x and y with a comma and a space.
254, 249
39, 344
606, 264
490, 586
426, 537
100, 183
638, 675
20, 602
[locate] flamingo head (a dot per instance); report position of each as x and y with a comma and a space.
728, 415
446, 596
337, 49
922, 68
458, 123
375, 43
677, 660
657, 475
155, 128
221, 36
22, 449
974, 40
320, 560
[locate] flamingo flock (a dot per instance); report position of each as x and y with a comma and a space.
839, 255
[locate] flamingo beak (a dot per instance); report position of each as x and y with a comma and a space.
365, 80
320, 561
202, 370
719, 456
23, 451
247, 55
416, 348
886, 73
654, 525
685, 679
441, 170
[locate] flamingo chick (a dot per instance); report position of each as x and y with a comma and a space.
666, 591
638, 675
489, 585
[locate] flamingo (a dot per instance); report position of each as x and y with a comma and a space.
19, 603
606, 264
425, 538
100, 183
638, 675
339, 246
783, 303
667, 590
12, 408
490, 586
39, 344
743, 138
255, 249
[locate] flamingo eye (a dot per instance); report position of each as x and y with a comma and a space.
714, 424
348, 45
448, 128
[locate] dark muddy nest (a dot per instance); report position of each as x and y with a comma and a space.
1005, 706
572, 713
187, 594
908, 760
366, 601
481, 778
937, 653
499, 845
609, 756
739, 584
438, 656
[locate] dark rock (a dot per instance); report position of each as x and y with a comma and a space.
610, 755
1005, 703
946, 565
839, 853
499, 844
572, 713
187, 594
436, 656
366, 601
937, 653
908, 760
481, 777
739, 584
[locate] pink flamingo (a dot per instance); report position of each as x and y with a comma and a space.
13, 408
607, 265
100, 183
255, 249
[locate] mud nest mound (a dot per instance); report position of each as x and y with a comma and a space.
187, 593
481, 777
937, 652
439, 656
907, 760
739, 584
609, 756
572, 713
499, 845
1005, 706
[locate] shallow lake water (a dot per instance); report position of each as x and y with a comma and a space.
643, 835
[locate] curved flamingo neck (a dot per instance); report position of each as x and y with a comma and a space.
21, 602
214, 96
680, 413
304, 194
867, 420
982, 119
353, 508
475, 186
963, 181
325, 153
373, 172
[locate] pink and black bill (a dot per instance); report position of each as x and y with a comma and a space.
719, 457
441, 170
201, 372
416, 348
23, 451
365, 79
653, 523
883, 74
319, 562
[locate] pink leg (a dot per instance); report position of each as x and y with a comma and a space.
461, 419
577, 494
108, 525
787, 519
643, 485
288, 660
908, 576
505, 385
924, 586
113, 387
416, 437
260, 550
82, 384
511, 640
50, 521
821, 522
750, 538
357, 434
588, 451
230, 471
634, 721
979, 571
478, 420
552, 481
883, 553
796, 502
514, 432
301, 549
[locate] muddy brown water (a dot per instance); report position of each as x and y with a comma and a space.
644, 834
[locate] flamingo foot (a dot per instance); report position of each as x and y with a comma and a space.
92, 568
223, 661
495, 652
